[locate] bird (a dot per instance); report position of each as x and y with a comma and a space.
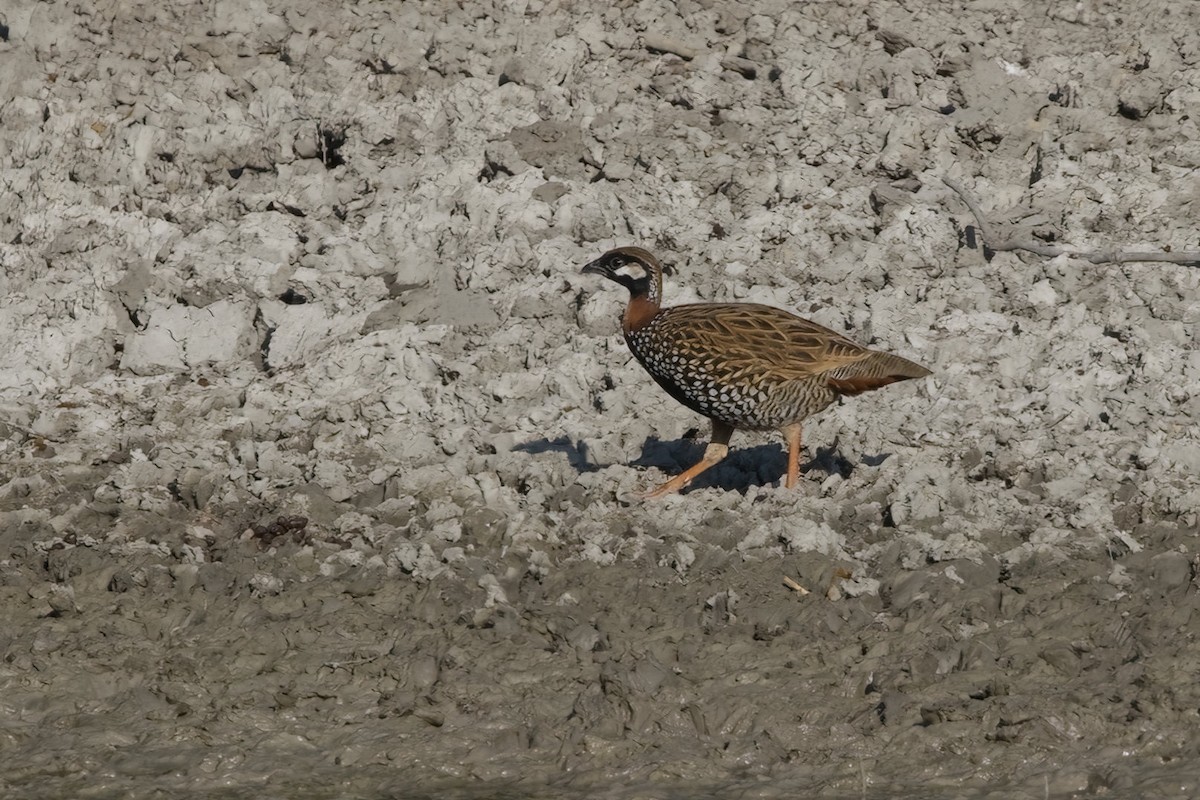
742, 365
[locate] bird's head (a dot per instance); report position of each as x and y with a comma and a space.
632, 267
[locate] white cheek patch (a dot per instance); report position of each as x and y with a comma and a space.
633, 271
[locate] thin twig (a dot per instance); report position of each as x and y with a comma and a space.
336, 665
745, 66
791, 584
994, 241
665, 44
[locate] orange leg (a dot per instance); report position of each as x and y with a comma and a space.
792, 432
717, 449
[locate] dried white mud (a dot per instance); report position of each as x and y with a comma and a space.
272, 261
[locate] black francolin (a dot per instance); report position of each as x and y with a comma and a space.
742, 365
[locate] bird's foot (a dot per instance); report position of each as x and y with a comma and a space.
670, 487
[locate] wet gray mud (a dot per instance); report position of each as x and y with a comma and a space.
319, 458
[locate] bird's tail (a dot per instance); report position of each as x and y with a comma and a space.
876, 370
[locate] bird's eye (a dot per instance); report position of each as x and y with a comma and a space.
617, 262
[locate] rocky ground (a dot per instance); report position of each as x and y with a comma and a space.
318, 456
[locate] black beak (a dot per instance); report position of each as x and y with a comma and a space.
595, 268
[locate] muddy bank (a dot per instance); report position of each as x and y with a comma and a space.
317, 454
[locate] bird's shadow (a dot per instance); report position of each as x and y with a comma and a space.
743, 468
576, 452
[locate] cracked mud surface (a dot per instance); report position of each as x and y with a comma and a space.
318, 455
